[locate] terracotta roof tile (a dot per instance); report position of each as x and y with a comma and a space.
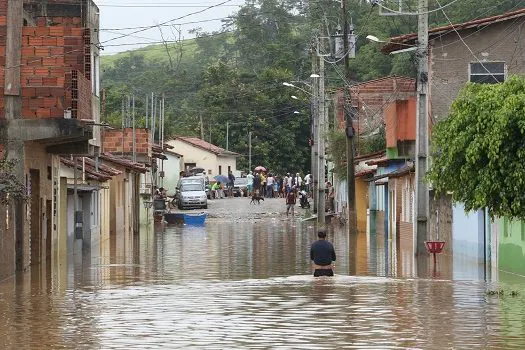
195, 141
400, 42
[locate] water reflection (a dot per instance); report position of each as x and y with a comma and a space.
249, 285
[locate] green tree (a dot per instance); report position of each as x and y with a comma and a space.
479, 150
10, 186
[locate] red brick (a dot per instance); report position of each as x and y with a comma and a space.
56, 51
2, 50
42, 31
43, 113
41, 51
29, 92
49, 61
49, 41
57, 71
57, 31
60, 41
42, 71
3, 20
35, 41
58, 20
35, 102
34, 81
49, 81
72, 41
28, 113
77, 20
77, 32
56, 113
28, 51
61, 81
41, 21
49, 102
28, 31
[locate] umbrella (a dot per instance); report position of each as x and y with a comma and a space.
260, 168
221, 178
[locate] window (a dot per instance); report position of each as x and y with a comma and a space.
488, 72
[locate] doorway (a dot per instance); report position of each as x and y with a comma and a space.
49, 206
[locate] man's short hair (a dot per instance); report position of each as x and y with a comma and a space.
321, 234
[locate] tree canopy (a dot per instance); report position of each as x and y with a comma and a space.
232, 79
479, 150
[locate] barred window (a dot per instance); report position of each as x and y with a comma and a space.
488, 72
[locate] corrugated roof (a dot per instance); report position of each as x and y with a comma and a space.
401, 42
124, 162
195, 141
91, 172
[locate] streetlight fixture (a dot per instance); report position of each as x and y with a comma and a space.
375, 39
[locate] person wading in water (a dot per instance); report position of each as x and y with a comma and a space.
322, 254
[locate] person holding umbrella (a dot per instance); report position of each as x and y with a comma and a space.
230, 184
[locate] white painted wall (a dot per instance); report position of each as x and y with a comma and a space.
172, 168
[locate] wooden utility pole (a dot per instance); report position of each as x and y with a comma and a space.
422, 196
347, 104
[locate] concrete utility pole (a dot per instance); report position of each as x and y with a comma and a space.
350, 168
13, 111
422, 196
250, 150
315, 127
321, 134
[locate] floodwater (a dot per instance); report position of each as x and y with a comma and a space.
245, 282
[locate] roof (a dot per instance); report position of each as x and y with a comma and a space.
196, 142
401, 42
365, 172
378, 161
169, 151
404, 170
87, 165
370, 156
381, 79
129, 164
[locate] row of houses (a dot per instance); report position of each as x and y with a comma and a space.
85, 182
483, 51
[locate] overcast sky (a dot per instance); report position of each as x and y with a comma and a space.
115, 15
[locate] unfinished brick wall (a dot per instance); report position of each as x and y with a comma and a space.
121, 141
370, 98
49, 56
52, 48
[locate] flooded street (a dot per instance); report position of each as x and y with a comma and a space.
244, 281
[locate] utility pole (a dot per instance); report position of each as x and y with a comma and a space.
422, 196
347, 102
250, 150
227, 135
321, 134
202, 128
315, 129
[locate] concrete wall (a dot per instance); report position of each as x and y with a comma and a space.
172, 168
511, 256
203, 158
450, 58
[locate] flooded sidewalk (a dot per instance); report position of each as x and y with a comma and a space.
244, 281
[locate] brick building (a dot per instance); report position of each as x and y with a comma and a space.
49, 106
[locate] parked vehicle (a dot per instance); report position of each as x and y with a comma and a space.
239, 187
192, 195
193, 179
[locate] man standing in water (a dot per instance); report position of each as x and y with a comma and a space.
322, 254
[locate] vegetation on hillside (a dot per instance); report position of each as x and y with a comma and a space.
232, 80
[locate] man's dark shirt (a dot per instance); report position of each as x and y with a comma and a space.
322, 252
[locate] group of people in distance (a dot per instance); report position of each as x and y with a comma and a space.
269, 185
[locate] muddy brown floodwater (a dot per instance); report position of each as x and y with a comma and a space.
244, 281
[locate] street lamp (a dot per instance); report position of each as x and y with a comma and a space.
375, 39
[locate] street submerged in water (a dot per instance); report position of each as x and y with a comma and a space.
244, 280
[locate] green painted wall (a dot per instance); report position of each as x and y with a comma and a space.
511, 246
